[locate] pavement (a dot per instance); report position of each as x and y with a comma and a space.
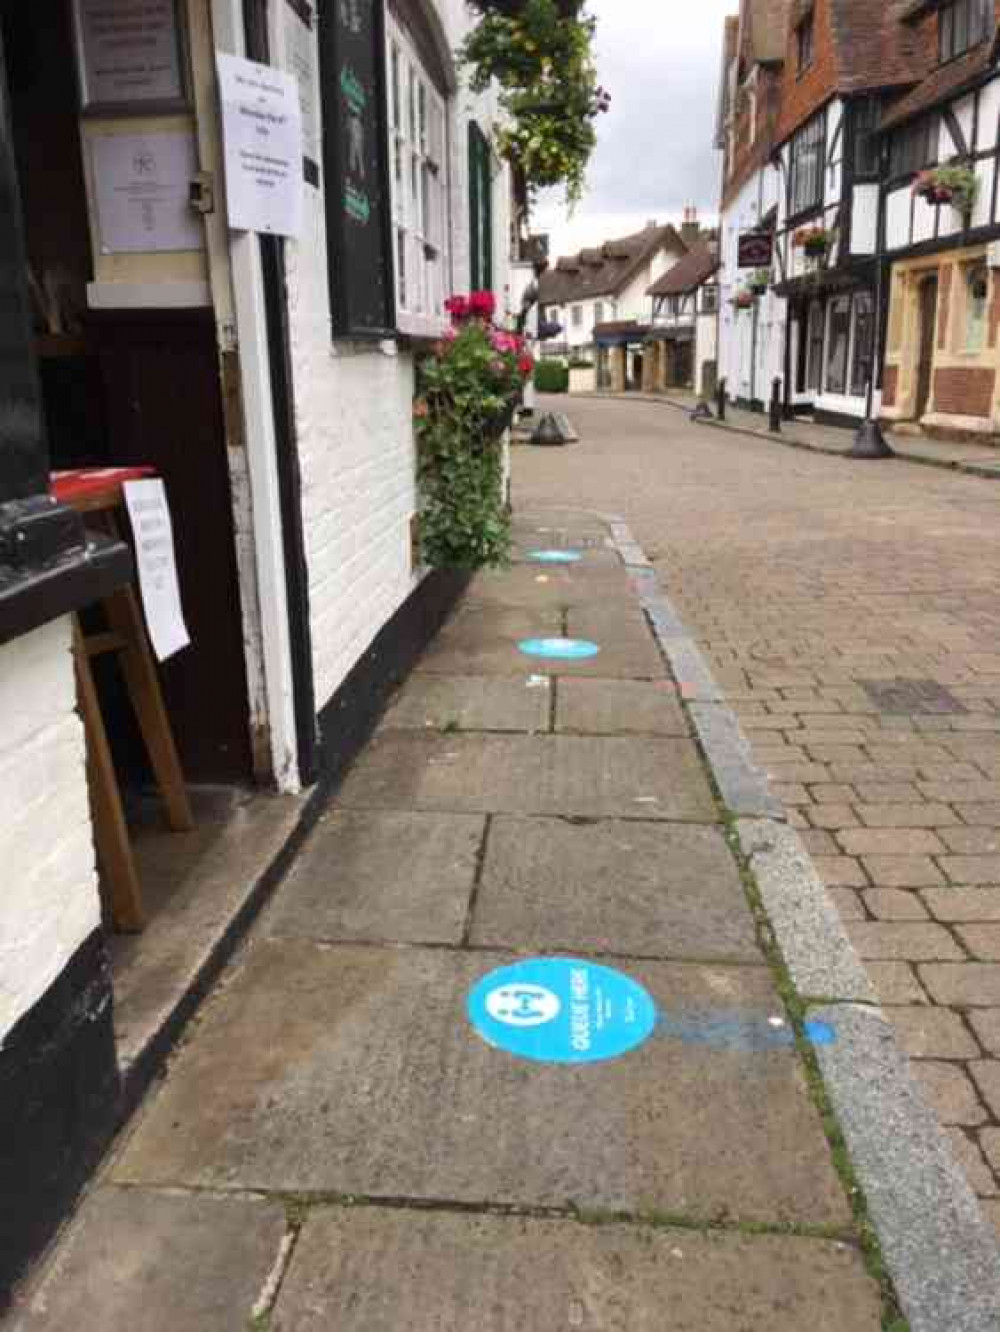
368, 1128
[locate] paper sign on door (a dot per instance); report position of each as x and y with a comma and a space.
154, 552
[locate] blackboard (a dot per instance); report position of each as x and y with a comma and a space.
356, 159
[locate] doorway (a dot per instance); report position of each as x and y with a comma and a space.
928, 330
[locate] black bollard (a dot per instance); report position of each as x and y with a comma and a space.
775, 423
721, 400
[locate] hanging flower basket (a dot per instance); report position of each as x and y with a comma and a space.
467, 392
758, 282
540, 52
956, 186
744, 300
817, 242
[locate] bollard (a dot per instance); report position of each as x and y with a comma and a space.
775, 422
721, 400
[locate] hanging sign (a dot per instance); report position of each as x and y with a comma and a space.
756, 249
557, 1010
359, 226
142, 190
262, 134
129, 52
154, 556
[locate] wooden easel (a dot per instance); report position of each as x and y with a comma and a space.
126, 635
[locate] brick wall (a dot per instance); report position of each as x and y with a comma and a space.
49, 903
802, 94
964, 392
890, 385
750, 157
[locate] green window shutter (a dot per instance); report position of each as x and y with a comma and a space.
480, 209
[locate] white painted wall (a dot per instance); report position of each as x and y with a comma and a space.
49, 903
749, 376
354, 422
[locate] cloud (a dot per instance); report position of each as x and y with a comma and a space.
660, 60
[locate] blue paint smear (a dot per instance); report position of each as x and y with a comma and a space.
740, 1033
555, 556
559, 1010
559, 649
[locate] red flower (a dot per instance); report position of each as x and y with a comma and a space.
526, 364
482, 305
458, 307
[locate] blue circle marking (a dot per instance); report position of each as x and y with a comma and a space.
555, 556
560, 1010
559, 649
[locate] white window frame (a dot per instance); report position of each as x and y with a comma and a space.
419, 153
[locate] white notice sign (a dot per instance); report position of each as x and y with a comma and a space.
143, 193
129, 51
262, 130
154, 552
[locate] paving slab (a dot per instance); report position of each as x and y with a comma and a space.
633, 889
579, 776
137, 1261
396, 876
472, 703
619, 707
543, 586
455, 1273
355, 1070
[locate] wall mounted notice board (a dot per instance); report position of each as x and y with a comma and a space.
356, 161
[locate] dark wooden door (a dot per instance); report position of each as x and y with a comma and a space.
928, 330
164, 408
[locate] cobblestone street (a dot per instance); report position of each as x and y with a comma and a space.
850, 611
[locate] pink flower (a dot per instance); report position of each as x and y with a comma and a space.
482, 305
505, 342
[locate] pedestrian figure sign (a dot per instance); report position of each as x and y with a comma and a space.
558, 1010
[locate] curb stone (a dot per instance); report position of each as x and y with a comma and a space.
941, 1252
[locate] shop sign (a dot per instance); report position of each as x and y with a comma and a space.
262, 134
756, 249
142, 187
129, 53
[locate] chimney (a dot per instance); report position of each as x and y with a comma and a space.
690, 230
652, 224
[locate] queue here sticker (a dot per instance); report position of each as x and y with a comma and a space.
558, 1010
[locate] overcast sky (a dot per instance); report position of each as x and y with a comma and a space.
660, 61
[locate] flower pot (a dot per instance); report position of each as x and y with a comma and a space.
816, 249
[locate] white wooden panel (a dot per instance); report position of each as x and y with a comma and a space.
989, 115
963, 114
946, 144
898, 219
864, 224
984, 199
951, 222
923, 221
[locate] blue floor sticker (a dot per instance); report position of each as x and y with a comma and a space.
559, 649
742, 1033
555, 556
558, 1010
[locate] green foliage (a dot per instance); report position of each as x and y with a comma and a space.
467, 392
541, 54
956, 184
552, 377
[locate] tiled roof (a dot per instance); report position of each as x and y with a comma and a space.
603, 271
687, 274
875, 47
943, 83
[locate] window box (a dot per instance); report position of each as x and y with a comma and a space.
817, 242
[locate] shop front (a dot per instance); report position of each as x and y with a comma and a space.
831, 333
621, 355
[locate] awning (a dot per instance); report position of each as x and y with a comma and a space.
621, 333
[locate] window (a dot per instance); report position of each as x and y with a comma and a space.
480, 209
709, 300
977, 290
864, 341
839, 343
816, 331
805, 185
865, 118
417, 138
598, 312
963, 24
914, 147
805, 40
577, 316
